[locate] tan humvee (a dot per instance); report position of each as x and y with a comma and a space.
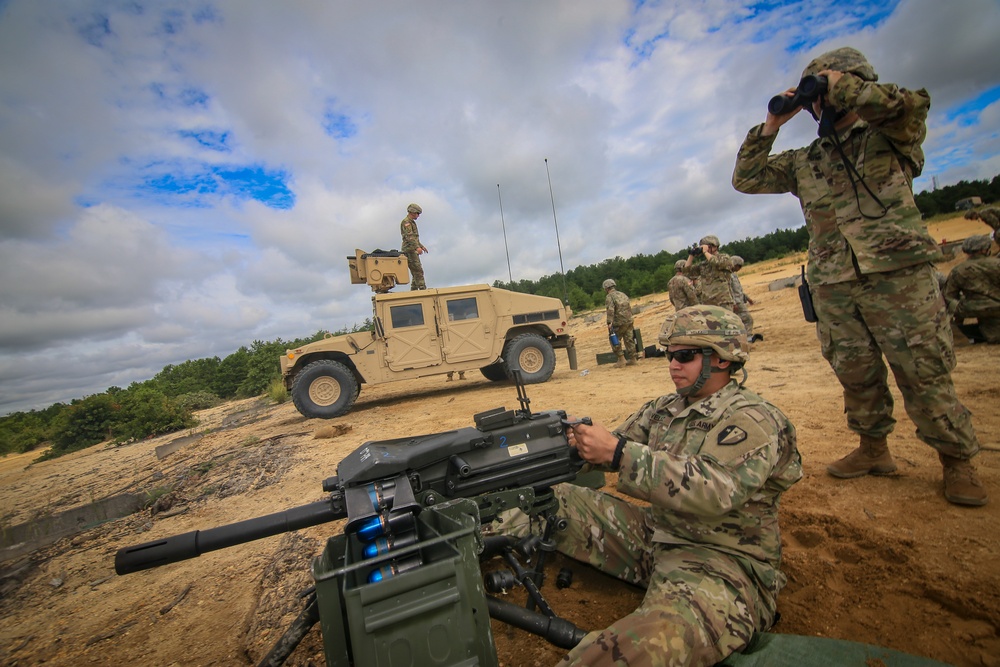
427, 332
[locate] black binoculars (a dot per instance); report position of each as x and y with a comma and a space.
808, 90
695, 250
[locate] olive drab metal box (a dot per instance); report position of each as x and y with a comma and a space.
432, 614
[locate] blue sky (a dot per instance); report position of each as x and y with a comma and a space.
178, 179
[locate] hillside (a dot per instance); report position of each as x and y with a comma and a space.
879, 560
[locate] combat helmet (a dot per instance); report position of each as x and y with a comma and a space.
976, 244
711, 239
608, 284
680, 264
737, 261
713, 329
413, 208
844, 59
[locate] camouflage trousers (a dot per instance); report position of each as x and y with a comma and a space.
744, 313
416, 270
626, 341
700, 605
987, 325
900, 314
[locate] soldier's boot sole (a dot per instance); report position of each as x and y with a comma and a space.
961, 483
872, 457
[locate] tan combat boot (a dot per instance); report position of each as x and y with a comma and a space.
621, 361
872, 457
961, 483
632, 362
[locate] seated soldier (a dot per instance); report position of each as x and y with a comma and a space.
709, 463
973, 291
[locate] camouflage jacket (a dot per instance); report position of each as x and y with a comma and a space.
991, 216
713, 472
682, 293
713, 279
619, 309
884, 146
411, 237
736, 288
973, 287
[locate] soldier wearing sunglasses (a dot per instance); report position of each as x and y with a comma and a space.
710, 462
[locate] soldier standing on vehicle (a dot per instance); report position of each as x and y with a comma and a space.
412, 247
871, 270
620, 323
712, 272
709, 463
973, 290
740, 300
681, 289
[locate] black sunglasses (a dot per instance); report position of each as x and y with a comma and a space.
683, 356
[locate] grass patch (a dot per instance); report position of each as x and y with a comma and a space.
277, 392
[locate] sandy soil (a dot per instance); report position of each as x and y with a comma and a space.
879, 560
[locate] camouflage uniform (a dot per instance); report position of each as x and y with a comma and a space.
990, 215
712, 275
620, 320
707, 548
872, 280
411, 243
740, 302
973, 291
681, 289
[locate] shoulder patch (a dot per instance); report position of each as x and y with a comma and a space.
741, 434
731, 435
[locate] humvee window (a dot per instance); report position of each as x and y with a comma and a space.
463, 309
411, 315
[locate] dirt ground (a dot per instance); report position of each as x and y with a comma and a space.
879, 560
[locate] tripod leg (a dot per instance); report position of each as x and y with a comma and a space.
293, 635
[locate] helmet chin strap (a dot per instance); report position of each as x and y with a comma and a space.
706, 372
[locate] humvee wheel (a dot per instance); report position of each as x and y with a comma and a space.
533, 355
324, 389
495, 372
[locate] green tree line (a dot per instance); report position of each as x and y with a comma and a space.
162, 404
943, 199
649, 274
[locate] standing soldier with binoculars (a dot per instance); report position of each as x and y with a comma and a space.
712, 274
870, 260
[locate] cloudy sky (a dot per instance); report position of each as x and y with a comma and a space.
178, 179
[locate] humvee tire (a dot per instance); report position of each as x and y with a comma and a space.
533, 355
495, 372
324, 389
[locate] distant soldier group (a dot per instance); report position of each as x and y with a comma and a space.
717, 282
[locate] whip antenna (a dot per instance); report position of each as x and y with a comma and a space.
504, 227
558, 245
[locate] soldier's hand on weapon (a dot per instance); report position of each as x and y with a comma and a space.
593, 442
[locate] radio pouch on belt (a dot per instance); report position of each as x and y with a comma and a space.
805, 296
